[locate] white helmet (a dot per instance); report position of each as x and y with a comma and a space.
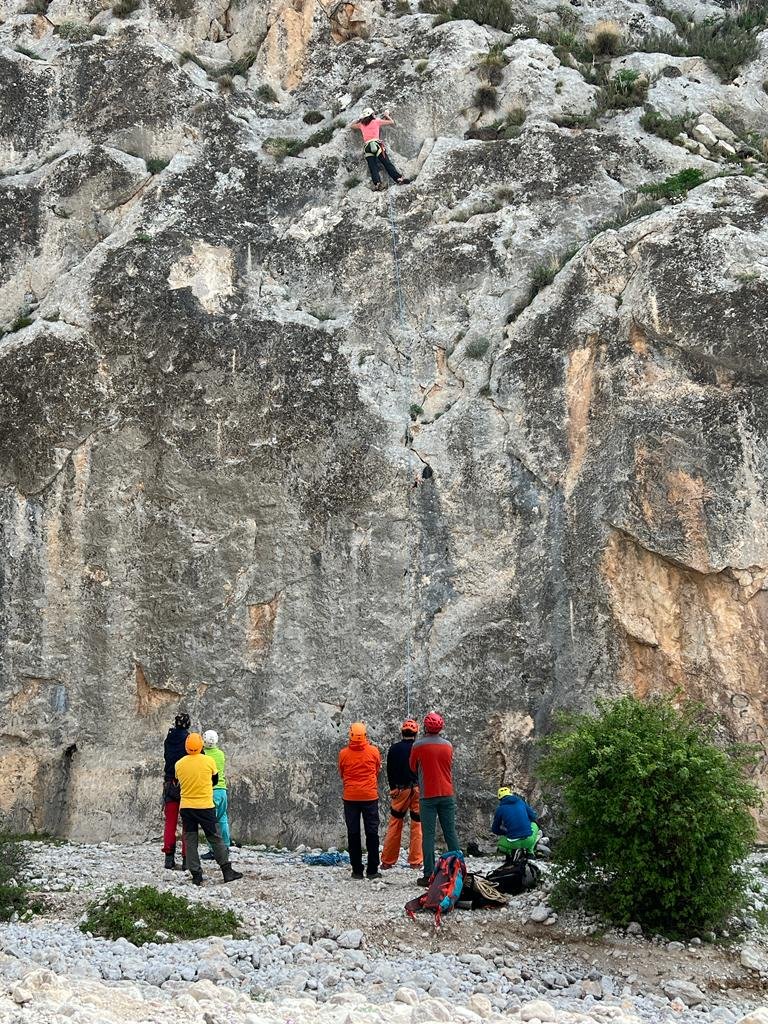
368, 112
210, 738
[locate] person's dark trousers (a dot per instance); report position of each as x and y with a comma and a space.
433, 809
368, 810
389, 167
193, 819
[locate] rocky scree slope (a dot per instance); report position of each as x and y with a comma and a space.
316, 946
243, 471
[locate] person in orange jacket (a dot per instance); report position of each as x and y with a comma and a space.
359, 767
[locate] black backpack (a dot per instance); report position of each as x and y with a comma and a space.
517, 874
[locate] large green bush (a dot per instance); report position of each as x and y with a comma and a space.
654, 815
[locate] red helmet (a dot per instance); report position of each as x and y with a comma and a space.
409, 725
433, 722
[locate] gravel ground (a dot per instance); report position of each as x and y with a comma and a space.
324, 948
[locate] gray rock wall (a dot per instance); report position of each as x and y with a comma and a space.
242, 473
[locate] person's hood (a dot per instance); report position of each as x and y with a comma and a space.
513, 798
358, 736
177, 733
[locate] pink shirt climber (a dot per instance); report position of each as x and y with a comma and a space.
371, 130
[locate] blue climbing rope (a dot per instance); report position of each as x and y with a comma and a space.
410, 647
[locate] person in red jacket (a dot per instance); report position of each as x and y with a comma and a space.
432, 759
359, 767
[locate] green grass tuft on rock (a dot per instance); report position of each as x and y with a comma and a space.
477, 348
147, 915
726, 42
665, 127
674, 186
156, 164
280, 147
125, 7
75, 31
485, 98
26, 52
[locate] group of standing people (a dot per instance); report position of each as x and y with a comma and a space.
419, 774
420, 777
195, 788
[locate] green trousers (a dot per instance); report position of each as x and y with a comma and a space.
529, 843
433, 809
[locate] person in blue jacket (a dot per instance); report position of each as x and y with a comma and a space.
514, 823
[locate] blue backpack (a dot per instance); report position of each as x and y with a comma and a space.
445, 885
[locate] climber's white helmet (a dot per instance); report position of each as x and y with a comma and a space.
368, 112
210, 738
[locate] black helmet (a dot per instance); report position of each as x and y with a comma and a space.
182, 720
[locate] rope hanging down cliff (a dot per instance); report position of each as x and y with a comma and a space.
411, 538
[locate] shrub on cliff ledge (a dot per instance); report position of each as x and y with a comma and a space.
655, 815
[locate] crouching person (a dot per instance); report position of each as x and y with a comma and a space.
514, 823
197, 776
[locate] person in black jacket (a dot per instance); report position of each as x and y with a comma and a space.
404, 799
173, 751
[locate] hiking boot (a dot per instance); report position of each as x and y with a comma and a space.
358, 875
208, 856
170, 861
375, 874
229, 874
197, 878
423, 881
386, 867
403, 181
378, 187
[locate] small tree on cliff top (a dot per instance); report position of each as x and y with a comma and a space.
654, 815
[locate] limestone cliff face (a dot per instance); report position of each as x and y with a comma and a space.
252, 465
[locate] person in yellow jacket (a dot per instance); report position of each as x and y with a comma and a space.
197, 775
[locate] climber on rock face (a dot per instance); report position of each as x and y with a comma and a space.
370, 127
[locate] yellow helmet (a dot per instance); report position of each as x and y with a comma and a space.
504, 791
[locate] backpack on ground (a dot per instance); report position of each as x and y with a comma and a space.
517, 874
479, 893
445, 886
